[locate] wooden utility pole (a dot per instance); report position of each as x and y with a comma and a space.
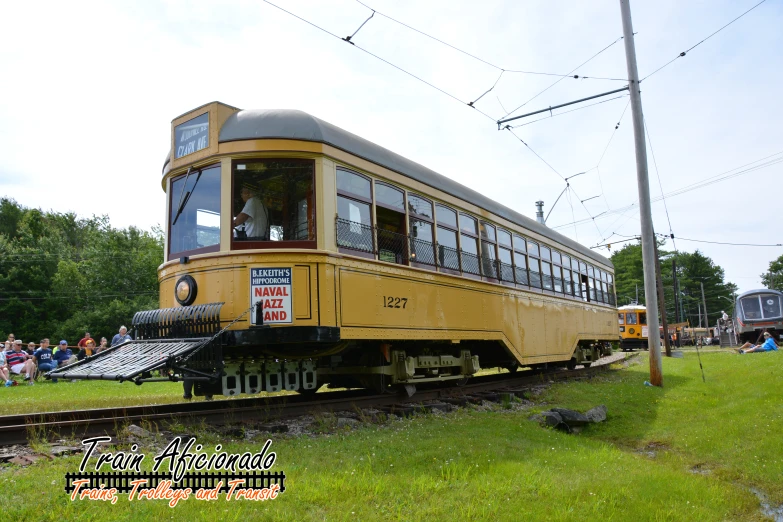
645, 211
662, 303
704, 302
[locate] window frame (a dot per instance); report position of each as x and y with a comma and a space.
474, 236
360, 199
413, 216
452, 228
172, 204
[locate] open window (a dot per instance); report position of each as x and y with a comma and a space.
392, 231
194, 218
273, 203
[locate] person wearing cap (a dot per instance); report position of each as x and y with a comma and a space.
254, 216
21, 362
87, 351
63, 356
768, 345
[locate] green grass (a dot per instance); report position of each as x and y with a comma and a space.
497, 465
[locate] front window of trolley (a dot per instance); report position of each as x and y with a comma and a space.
194, 220
272, 202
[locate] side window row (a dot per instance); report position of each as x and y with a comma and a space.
438, 237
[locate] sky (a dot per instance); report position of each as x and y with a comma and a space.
90, 88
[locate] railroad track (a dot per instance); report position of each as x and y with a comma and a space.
20, 429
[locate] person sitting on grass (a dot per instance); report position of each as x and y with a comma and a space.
46, 362
63, 356
4, 370
87, 350
19, 361
769, 345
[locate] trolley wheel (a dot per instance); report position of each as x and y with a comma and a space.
379, 383
571, 365
587, 364
512, 368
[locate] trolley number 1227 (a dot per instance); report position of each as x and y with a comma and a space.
394, 302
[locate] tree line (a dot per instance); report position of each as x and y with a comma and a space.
61, 275
692, 269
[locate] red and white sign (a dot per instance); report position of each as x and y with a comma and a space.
273, 289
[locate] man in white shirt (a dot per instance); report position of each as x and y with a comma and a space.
254, 215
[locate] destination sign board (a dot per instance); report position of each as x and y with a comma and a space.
191, 136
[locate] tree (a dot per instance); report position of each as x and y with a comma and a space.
61, 275
693, 268
774, 277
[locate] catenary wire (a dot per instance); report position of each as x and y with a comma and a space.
663, 195
682, 54
482, 60
707, 181
727, 243
379, 58
560, 79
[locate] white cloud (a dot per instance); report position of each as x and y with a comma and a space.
91, 87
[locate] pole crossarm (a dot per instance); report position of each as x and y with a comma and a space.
550, 109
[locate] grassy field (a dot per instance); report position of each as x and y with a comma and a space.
689, 451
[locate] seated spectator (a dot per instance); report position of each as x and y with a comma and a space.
63, 356
4, 370
83, 342
769, 345
87, 350
30, 348
46, 362
121, 337
19, 361
103, 346
11, 338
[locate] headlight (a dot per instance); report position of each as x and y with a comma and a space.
631, 331
185, 290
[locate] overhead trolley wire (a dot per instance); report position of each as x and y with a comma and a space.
727, 243
703, 183
663, 196
565, 76
682, 54
347, 40
482, 60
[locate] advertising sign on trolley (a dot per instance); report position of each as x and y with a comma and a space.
272, 287
644, 331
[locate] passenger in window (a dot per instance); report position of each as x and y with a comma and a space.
254, 216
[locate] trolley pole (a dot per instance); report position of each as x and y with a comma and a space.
648, 238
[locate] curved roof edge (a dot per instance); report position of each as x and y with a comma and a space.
760, 291
298, 125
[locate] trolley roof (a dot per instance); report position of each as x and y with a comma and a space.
298, 125
632, 307
760, 291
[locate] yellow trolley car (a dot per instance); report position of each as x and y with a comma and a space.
330, 259
633, 327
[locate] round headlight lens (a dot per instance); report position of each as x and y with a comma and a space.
185, 290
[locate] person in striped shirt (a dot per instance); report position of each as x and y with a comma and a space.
19, 361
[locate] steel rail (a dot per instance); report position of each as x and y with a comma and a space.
20, 429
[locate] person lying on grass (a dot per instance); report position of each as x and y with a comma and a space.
768, 346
